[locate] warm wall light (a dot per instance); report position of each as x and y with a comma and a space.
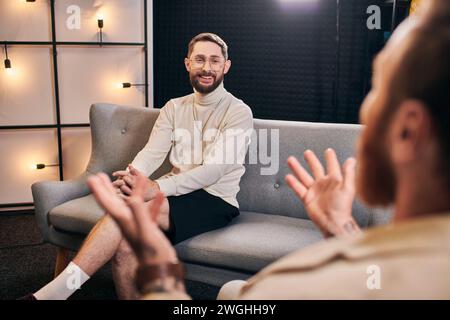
41, 166
100, 15
129, 85
7, 61
100, 24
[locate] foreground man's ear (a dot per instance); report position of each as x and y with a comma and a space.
410, 131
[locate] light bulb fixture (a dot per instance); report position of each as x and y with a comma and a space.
100, 32
41, 166
129, 85
7, 61
100, 25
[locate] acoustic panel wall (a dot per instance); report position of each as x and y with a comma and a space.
283, 54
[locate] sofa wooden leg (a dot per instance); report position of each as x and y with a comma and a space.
62, 260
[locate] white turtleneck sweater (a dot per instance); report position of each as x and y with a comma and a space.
208, 137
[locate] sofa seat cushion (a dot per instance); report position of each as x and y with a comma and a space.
77, 215
250, 242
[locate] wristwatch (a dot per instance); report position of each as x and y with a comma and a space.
147, 275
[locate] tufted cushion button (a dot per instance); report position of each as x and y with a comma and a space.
123, 131
276, 185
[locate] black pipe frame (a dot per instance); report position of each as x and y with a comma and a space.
54, 45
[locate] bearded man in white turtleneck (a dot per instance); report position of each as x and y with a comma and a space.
207, 134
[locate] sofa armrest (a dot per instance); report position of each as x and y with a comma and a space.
49, 194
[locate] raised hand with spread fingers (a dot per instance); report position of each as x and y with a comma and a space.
327, 195
136, 218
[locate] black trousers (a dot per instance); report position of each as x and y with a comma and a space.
197, 212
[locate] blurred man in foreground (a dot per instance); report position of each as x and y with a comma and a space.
403, 159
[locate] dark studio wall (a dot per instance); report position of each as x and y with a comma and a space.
283, 58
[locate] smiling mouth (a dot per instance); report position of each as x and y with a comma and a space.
206, 79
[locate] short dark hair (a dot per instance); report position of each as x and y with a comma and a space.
210, 37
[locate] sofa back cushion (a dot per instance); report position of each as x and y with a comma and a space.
118, 133
263, 188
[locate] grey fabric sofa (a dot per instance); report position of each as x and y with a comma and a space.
272, 223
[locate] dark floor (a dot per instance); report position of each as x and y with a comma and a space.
26, 264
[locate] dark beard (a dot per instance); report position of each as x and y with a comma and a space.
375, 180
202, 89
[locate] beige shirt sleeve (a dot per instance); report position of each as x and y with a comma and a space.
166, 296
218, 159
150, 158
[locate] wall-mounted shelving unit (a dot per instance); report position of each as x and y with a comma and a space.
54, 44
